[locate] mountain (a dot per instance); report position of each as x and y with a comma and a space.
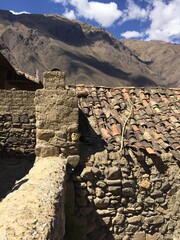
161, 57
34, 43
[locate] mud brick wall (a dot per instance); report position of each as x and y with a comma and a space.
17, 123
57, 135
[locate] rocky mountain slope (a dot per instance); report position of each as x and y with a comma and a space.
34, 43
162, 58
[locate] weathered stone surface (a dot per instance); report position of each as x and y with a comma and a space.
114, 189
139, 236
101, 202
149, 201
107, 212
129, 192
101, 184
113, 173
118, 219
46, 150
33, 207
87, 173
113, 182
44, 134
128, 183
165, 186
106, 220
96, 171
73, 160
154, 220
145, 184
99, 192
156, 193
134, 220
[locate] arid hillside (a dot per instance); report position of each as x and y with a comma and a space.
35, 43
162, 58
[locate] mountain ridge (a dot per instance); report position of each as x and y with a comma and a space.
35, 43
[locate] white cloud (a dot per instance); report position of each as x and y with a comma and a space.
165, 21
70, 14
134, 12
18, 13
104, 14
64, 2
132, 34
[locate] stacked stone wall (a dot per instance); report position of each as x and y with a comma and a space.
17, 123
122, 197
36, 208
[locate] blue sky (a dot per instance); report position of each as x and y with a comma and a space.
137, 19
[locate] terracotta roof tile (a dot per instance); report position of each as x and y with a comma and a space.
150, 117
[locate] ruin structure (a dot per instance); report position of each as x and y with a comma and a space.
103, 163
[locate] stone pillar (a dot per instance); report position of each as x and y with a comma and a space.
56, 119
57, 132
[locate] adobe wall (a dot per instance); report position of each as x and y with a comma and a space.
17, 123
35, 207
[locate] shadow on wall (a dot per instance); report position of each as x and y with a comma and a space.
13, 169
82, 219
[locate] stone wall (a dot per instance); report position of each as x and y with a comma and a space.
17, 123
122, 197
36, 209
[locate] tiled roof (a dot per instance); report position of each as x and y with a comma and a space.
147, 121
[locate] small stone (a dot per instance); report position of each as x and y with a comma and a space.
96, 171
144, 184
118, 219
152, 237
132, 228
139, 236
154, 220
113, 182
129, 192
106, 212
44, 134
165, 186
101, 202
106, 220
149, 201
114, 202
114, 189
160, 200
87, 173
156, 194
113, 173
128, 183
124, 201
101, 184
134, 219
73, 160
99, 192
80, 185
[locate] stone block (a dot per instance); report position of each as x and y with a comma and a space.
134, 219
113, 173
46, 151
73, 160
87, 173
101, 202
118, 219
44, 134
